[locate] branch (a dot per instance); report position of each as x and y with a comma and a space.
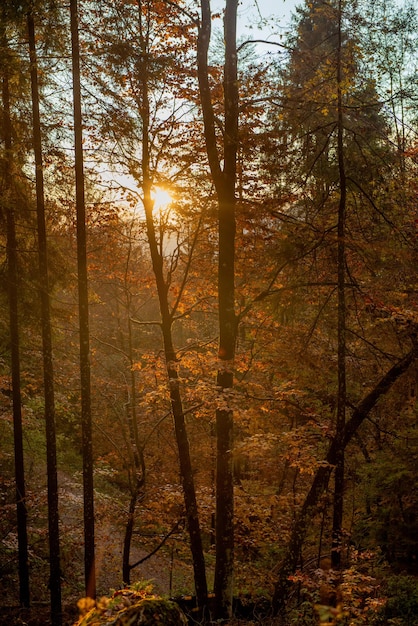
376, 208
386, 355
269, 43
182, 10
270, 291
154, 428
141, 323
316, 320
188, 266
110, 345
190, 309
160, 545
106, 435
367, 404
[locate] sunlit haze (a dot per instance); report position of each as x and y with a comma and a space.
162, 198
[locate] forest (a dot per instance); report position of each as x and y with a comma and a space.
209, 323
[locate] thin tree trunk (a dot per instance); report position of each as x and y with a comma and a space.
341, 260
323, 473
51, 450
138, 459
225, 181
83, 306
186, 472
136, 490
12, 266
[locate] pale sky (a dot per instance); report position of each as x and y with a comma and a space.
276, 13
260, 19
279, 10
264, 19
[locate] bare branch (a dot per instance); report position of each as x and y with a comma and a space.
160, 545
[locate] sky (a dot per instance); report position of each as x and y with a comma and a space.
281, 9
277, 14
262, 19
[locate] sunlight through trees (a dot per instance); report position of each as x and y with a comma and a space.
208, 366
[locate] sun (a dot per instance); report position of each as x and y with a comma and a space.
162, 198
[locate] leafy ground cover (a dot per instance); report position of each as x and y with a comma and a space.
367, 592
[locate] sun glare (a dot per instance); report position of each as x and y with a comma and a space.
162, 198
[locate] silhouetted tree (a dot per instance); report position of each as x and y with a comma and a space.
48, 369
83, 307
9, 202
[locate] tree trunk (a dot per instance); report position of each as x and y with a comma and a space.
51, 451
126, 566
83, 307
320, 481
12, 266
138, 461
341, 260
225, 181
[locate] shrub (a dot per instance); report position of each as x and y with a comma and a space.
402, 601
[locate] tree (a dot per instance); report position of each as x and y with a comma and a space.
9, 210
327, 94
389, 36
48, 370
341, 281
147, 75
319, 484
167, 317
223, 170
87, 442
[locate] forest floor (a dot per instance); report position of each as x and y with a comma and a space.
168, 574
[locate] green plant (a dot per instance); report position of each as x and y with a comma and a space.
402, 601
303, 615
